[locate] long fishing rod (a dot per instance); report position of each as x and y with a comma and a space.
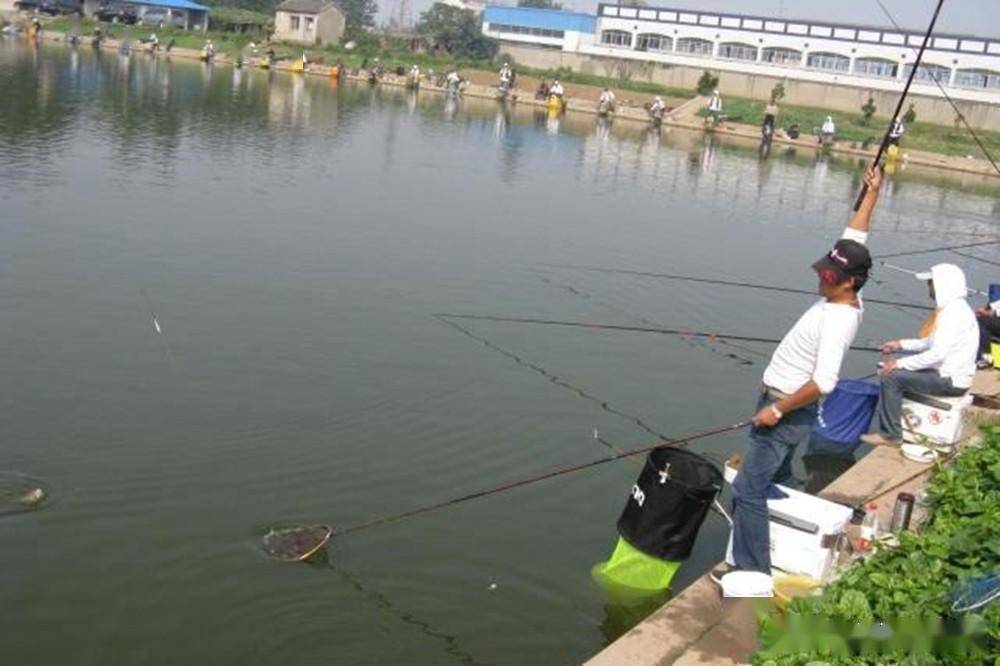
679, 442
725, 283
910, 253
937, 82
902, 98
622, 327
972, 256
900, 269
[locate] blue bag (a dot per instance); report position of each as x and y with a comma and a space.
847, 412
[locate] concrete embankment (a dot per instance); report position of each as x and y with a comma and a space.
581, 99
698, 626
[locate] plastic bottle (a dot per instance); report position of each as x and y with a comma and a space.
869, 527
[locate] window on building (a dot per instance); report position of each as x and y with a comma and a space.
737, 51
294, 22
616, 38
309, 23
977, 78
830, 62
929, 73
777, 55
654, 42
522, 30
694, 46
878, 67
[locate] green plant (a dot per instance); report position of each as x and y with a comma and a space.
912, 582
777, 92
707, 83
868, 110
910, 116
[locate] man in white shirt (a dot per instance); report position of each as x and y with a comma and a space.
803, 369
945, 362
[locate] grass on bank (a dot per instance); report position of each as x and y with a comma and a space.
913, 580
928, 137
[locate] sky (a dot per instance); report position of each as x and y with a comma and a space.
974, 17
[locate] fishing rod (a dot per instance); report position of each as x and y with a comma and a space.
622, 327
679, 442
910, 253
725, 283
902, 98
900, 269
937, 82
972, 256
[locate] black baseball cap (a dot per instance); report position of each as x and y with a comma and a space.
847, 259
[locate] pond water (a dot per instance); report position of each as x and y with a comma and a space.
293, 240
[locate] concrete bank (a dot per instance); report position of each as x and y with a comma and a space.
699, 627
582, 100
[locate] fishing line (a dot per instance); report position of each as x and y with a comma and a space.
958, 113
447, 316
643, 320
552, 377
725, 283
900, 269
972, 256
902, 98
910, 253
680, 442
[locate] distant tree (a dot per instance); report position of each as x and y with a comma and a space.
359, 13
707, 83
777, 92
457, 31
910, 116
868, 110
540, 4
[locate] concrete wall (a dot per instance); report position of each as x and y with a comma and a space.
835, 97
327, 27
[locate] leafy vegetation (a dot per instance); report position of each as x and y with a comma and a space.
912, 582
868, 111
458, 31
540, 4
707, 83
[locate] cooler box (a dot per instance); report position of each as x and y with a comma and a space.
805, 533
933, 419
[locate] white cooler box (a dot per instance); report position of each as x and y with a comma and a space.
937, 419
805, 533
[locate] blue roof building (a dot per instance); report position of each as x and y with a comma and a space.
544, 28
178, 13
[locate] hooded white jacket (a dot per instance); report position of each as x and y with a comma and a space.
951, 349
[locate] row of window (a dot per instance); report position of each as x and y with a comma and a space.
828, 62
296, 22
522, 30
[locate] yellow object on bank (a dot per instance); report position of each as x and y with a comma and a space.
264, 63
555, 103
995, 354
789, 587
892, 153
334, 72
298, 66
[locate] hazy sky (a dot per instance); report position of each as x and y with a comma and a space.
977, 17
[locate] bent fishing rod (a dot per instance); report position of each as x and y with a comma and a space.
724, 283
902, 98
679, 442
623, 327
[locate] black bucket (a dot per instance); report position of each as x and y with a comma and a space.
668, 503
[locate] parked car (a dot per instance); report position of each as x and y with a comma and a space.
155, 16
112, 13
50, 7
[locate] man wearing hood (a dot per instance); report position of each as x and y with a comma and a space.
945, 362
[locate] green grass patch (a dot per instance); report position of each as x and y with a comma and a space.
913, 581
851, 127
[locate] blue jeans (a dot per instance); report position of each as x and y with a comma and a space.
768, 460
890, 404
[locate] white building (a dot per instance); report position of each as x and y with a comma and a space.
748, 51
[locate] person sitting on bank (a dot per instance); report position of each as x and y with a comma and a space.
656, 110
543, 91
804, 367
988, 318
896, 132
827, 131
606, 103
557, 89
946, 360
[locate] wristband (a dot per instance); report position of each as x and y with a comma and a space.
778, 414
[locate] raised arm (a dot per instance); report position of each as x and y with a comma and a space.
862, 220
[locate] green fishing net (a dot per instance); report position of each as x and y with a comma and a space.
632, 569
